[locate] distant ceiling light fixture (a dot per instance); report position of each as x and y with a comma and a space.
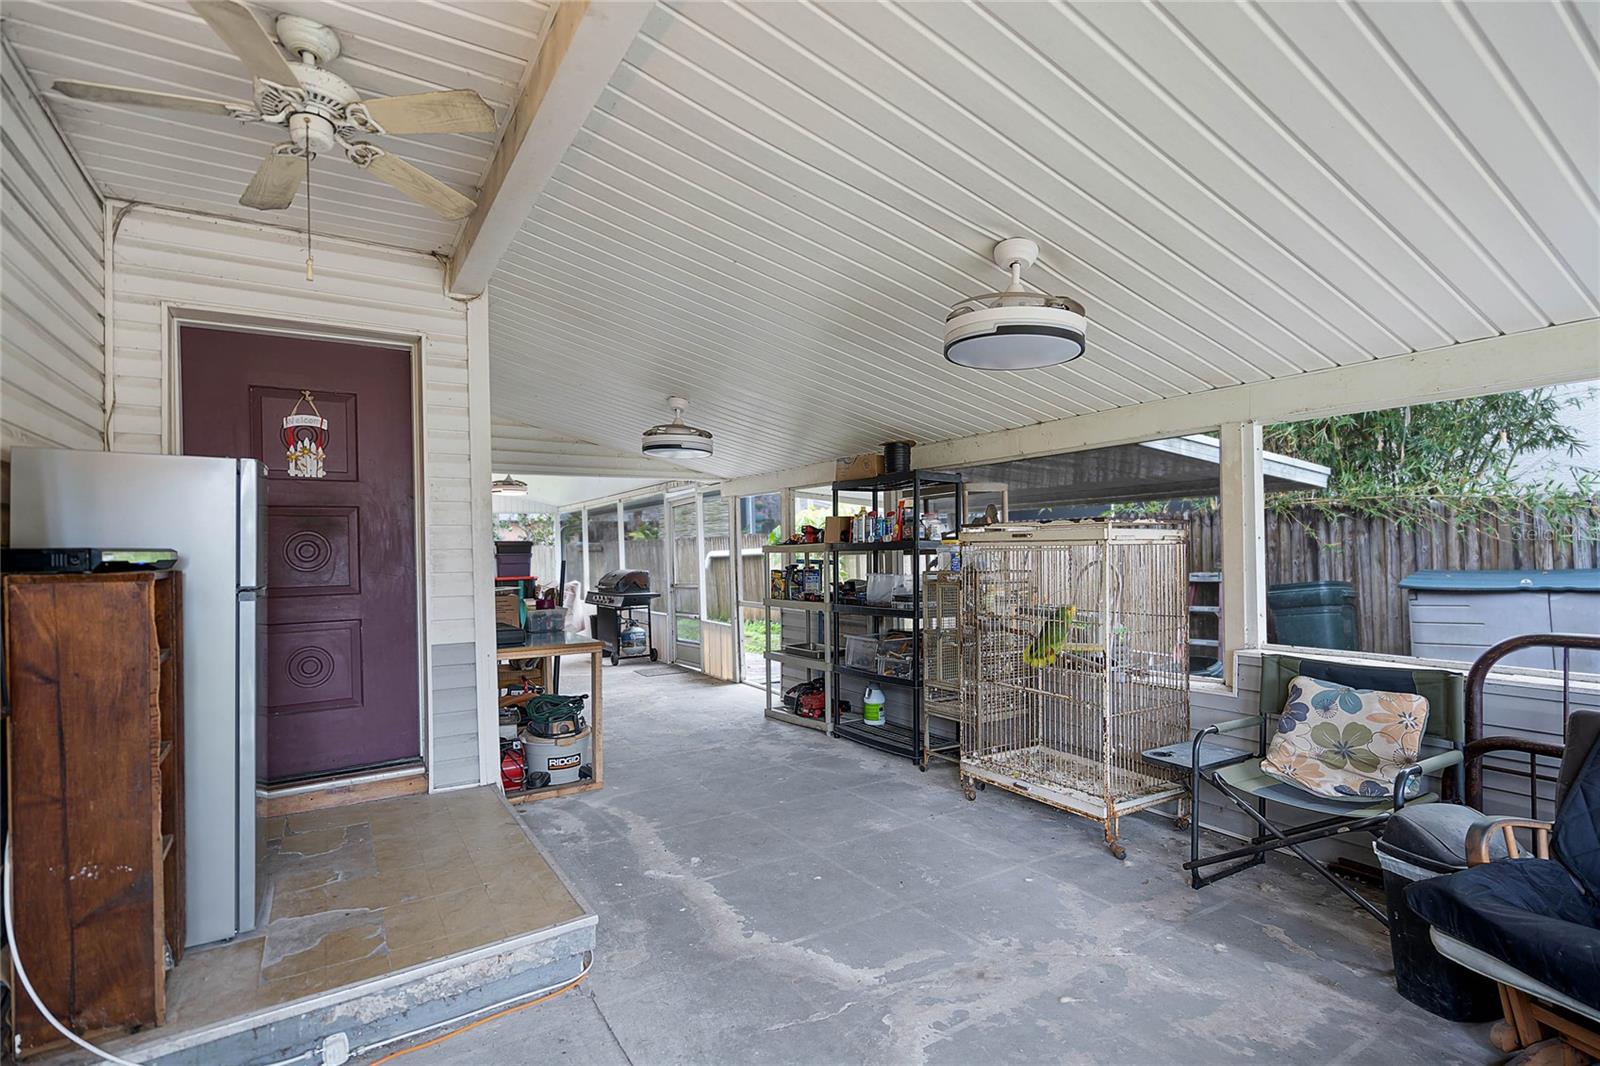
509, 486
1015, 329
675, 440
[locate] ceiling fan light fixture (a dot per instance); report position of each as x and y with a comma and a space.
675, 439
1014, 329
318, 110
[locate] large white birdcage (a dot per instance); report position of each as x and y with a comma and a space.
1079, 663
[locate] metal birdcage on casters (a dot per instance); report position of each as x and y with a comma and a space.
944, 643
1079, 662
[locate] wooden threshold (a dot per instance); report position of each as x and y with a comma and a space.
339, 792
551, 791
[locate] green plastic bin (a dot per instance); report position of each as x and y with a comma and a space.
1314, 614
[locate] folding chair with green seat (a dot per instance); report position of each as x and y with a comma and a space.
1238, 775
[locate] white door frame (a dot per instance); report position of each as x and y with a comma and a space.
705, 574
670, 524
736, 583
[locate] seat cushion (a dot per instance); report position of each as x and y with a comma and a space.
1248, 778
1345, 743
1529, 913
1434, 836
1583, 736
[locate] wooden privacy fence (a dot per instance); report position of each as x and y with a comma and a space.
1310, 544
1375, 553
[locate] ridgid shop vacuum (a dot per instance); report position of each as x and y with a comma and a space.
556, 740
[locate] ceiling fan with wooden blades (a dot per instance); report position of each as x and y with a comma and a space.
318, 108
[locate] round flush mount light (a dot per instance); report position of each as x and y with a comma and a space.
506, 485
675, 440
1015, 329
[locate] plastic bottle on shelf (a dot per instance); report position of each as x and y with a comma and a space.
872, 706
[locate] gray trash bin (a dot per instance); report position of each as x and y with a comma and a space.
1422, 841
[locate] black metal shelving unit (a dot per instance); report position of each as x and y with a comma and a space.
923, 485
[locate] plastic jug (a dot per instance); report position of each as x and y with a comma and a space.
872, 706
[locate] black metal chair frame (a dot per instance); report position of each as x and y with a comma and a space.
1479, 745
1208, 758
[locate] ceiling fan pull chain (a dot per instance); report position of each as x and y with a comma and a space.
309, 269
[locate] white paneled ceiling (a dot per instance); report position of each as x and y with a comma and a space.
200, 162
522, 449
773, 204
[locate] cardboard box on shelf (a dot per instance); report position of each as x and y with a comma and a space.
836, 530
856, 467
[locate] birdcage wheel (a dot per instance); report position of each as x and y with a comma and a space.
1118, 852
1181, 821
966, 788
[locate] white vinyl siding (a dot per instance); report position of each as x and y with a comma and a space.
52, 358
455, 716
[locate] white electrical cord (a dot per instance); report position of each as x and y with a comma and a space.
298, 1058
27, 985
491, 1008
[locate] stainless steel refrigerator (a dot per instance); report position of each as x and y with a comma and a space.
211, 511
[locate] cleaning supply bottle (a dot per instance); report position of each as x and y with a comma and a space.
872, 706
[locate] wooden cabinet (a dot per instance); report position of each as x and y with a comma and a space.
94, 778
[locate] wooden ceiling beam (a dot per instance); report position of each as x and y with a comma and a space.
582, 44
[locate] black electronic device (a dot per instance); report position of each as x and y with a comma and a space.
84, 560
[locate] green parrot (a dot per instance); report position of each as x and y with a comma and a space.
1048, 644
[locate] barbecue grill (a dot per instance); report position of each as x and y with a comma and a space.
616, 597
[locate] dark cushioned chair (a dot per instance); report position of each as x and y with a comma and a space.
1532, 923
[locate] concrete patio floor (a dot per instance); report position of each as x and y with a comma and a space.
769, 895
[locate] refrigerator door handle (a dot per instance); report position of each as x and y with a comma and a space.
252, 524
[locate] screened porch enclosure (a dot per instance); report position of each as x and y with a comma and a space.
681, 538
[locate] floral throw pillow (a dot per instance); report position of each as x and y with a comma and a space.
1345, 743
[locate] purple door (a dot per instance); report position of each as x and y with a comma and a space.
341, 679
